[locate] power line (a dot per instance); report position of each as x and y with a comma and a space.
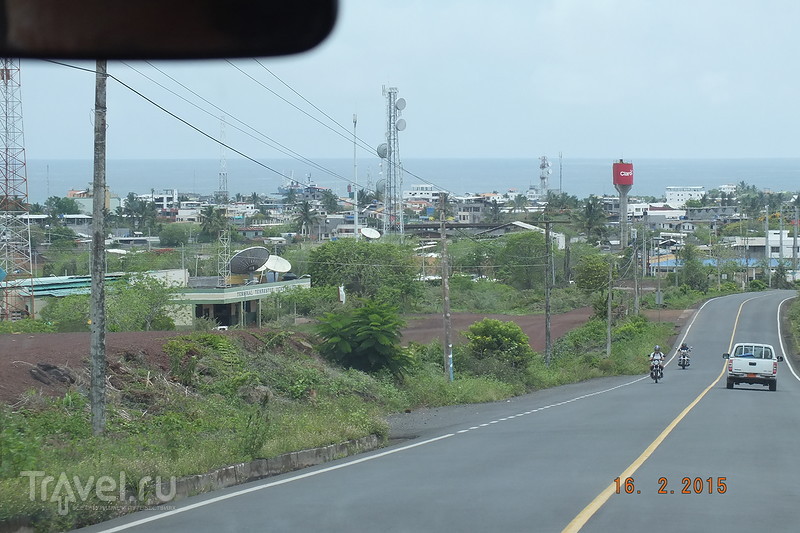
346, 135
176, 117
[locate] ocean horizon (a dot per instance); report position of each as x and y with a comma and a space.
578, 177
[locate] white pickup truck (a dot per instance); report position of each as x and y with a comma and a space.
753, 363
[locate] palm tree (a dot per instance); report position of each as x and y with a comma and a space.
212, 221
495, 212
518, 203
329, 201
592, 219
291, 196
305, 216
255, 200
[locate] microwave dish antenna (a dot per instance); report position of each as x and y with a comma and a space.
249, 260
370, 233
277, 263
383, 150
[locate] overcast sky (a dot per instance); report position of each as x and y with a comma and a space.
507, 78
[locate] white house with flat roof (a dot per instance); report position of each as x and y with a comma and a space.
677, 196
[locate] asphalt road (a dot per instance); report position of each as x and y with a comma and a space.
547, 461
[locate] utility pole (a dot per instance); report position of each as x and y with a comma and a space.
794, 243
448, 342
355, 179
780, 237
608, 310
767, 250
547, 342
635, 280
98, 297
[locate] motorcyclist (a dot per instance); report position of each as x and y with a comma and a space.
683, 352
657, 357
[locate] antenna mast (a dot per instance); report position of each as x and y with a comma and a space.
15, 237
393, 201
222, 192
224, 244
544, 174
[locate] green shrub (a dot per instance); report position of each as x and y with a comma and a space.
502, 341
366, 338
27, 325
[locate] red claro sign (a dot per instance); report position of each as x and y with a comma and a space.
623, 173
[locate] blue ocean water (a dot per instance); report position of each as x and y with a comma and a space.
579, 177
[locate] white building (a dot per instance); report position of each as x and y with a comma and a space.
677, 196
165, 199
189, 211
781, 246
429, 193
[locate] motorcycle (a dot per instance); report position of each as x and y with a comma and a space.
683, 358
656, 372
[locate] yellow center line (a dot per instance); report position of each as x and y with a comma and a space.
580, 520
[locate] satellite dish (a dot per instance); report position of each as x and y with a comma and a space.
380, 186
277, 263
400, 125
400, 104
383, 150
248, 260
370, 233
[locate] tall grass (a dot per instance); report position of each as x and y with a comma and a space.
225, 403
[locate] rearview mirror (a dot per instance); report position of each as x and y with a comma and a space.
162, 29
726, 356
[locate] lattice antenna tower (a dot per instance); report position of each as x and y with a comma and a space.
544, 175
16, 277
224, 244
394, 170
222, 192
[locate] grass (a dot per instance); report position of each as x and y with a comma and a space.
225, 402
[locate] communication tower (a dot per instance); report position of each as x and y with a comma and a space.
544, 175
224, 244
222, 192
390, 150
16, 272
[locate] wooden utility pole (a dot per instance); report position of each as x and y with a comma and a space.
767, 250
635, 280
97, 303
447, 343
548, 347
608, 311
795, 223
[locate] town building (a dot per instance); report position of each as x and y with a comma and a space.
678, 196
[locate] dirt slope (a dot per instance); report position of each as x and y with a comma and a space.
44, 361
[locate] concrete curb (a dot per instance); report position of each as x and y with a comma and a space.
256, 469
237, 474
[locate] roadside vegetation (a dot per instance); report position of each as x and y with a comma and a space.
334, 375
230, 397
